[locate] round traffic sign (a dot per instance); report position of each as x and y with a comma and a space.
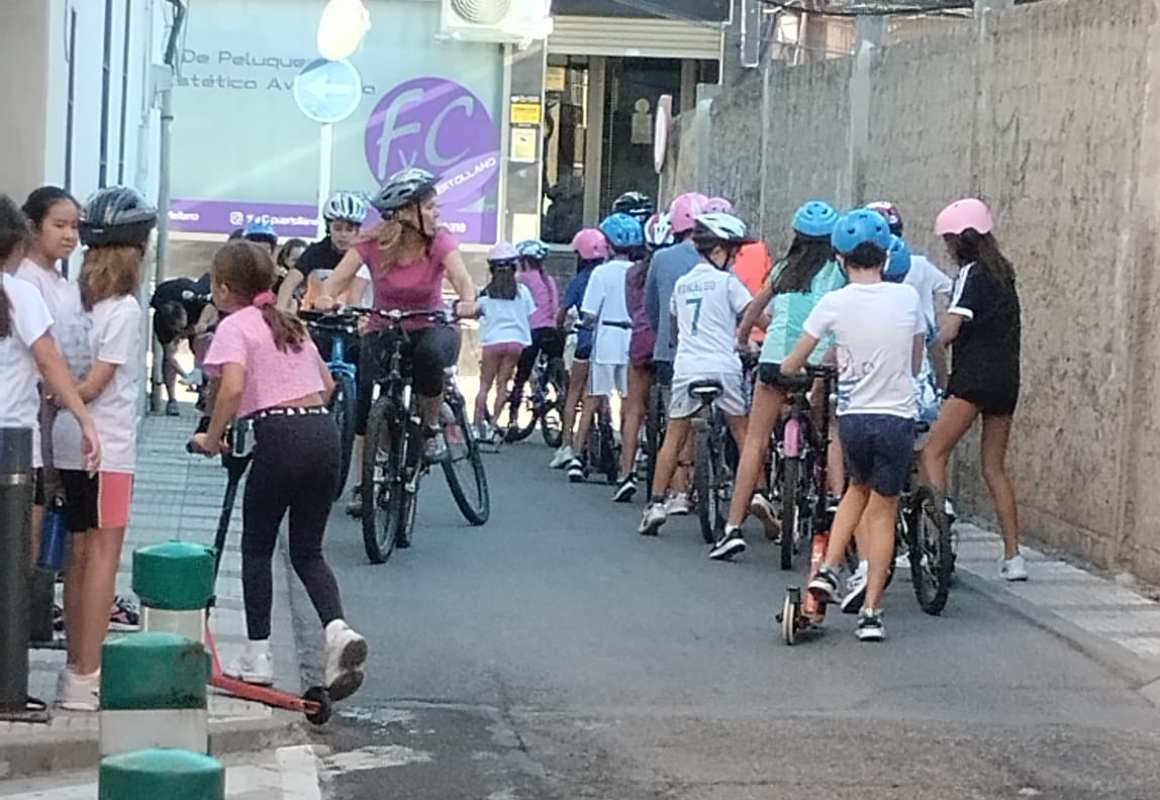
328, 91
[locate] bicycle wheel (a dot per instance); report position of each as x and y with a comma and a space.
931, 556
791, 476
463, 466
382, 481
654, 432
552, 410
521, 416
343, 406
705, 480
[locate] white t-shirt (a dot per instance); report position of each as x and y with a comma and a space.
506, 321
62, 297
114, 336
605, 299
19, 375
875, 325
928, 280
706, 303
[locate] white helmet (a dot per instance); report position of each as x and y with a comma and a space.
720, 228
349, 206
658, 231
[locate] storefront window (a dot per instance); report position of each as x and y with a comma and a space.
565, 140
245, 149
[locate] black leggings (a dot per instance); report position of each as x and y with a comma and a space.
431, 351
548, 340
295, 468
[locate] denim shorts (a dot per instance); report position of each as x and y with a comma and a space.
879, 451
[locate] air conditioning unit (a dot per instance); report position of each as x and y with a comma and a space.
498, 21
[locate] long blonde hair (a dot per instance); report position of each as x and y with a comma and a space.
109, 272
399, 242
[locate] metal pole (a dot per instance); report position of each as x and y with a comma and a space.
325, 165
15, 559
163, 193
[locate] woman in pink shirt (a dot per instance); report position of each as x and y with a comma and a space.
269, 371
409, 255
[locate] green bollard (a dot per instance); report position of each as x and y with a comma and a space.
161, 773
153, 693
174, 581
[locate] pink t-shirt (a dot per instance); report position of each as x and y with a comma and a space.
417, 286
543, 288
273, 377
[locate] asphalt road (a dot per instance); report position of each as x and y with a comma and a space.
554, 653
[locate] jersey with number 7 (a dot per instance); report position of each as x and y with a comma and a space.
706, 305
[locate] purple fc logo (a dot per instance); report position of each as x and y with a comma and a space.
439, 125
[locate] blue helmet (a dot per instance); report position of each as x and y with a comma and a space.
533, 249
623, 232
861, 226
898, 263
816, 218
260, 229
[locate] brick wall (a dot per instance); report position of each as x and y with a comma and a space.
1045, 111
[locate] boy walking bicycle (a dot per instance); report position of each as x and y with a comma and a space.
879, 328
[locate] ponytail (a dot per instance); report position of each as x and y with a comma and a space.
288, 332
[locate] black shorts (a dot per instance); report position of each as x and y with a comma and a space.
879, 451
162, 330
770, 375
997, 401
39, 498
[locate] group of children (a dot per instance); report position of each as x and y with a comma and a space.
848, 291
70, 359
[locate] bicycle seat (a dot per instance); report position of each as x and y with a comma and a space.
705, 390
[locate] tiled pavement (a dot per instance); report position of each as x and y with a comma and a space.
176, 495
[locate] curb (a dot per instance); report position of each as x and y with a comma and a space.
1107, 653
74, 751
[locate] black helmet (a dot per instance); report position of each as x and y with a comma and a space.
403, 189
117, 215
636, 204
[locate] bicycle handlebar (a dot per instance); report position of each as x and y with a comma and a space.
396, 316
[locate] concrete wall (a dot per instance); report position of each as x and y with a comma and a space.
1049, 111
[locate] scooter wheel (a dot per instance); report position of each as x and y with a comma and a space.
318, 694
790, 614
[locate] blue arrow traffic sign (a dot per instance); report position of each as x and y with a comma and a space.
328, 91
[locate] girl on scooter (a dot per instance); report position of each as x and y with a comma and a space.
269, 371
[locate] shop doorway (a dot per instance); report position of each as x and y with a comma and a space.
598, 134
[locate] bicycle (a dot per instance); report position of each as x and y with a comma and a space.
341, 328
393, 463
603, 455
469, 490
656, 419
925, 529
795, 482
712, 477
797, 614
544, 405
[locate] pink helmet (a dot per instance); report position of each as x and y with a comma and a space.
590, 244
503, 252
684, 211
718, 205
963, 214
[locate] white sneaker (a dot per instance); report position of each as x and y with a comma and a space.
856, 589
761, 508
255, 665
654, 517
1013, 569
902, 561
78, 692
346, 653
678, 505
560, 460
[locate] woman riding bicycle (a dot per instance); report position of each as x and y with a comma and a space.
409, 255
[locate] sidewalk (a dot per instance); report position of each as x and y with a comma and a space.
1113, 624
176, 495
